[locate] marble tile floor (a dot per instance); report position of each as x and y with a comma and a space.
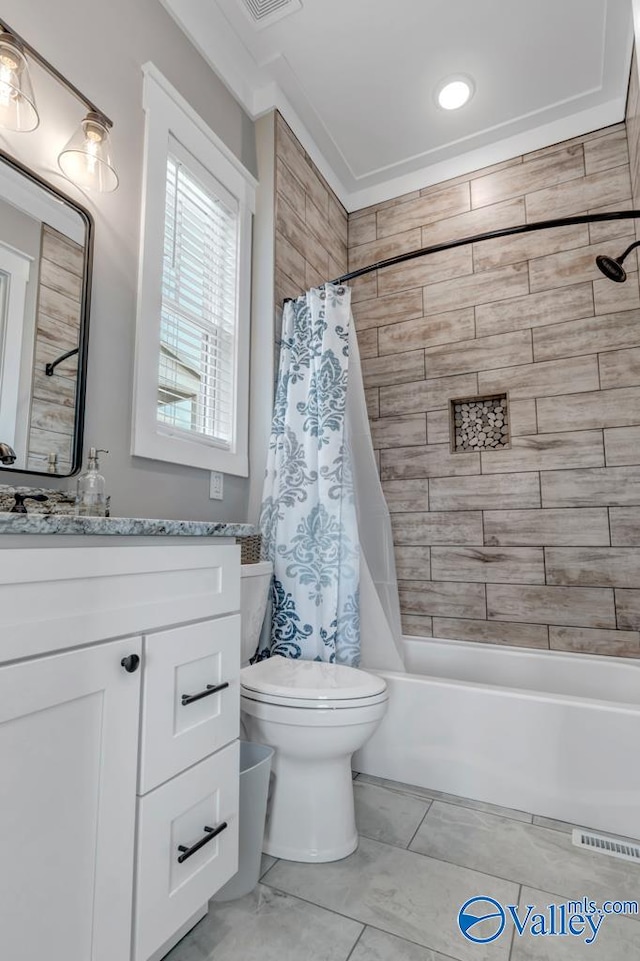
422, 854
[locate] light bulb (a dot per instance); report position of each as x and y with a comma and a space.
7, 81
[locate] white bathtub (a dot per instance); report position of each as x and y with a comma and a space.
541, 731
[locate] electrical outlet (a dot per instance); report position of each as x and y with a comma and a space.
216, 486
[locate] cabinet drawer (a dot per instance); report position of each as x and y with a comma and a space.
171, 818
55, 598
188, 711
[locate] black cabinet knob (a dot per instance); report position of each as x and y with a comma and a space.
131, 663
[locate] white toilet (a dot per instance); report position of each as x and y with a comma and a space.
315, 715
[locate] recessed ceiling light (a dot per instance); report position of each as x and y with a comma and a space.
454, 92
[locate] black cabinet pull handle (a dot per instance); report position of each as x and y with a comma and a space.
131, 663
210, 689
209, 836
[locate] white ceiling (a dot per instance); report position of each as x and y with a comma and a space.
356, 79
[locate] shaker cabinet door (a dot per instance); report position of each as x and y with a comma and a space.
68, 754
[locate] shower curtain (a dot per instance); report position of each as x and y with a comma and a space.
312, 510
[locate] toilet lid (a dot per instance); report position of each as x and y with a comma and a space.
283, 677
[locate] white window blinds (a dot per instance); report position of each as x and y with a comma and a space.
198, 331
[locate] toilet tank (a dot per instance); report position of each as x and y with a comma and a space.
255, 583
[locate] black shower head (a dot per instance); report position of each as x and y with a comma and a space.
612, 267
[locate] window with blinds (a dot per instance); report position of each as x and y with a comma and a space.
193, 323
198, 330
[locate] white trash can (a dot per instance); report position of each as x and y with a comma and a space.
255, 768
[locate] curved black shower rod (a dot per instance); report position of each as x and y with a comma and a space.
489, 235
50, 368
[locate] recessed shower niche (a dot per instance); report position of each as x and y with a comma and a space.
479, 423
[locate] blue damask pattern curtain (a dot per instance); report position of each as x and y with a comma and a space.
308, 519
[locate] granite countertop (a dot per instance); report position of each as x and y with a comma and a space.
123, 526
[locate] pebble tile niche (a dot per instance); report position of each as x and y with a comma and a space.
479, 423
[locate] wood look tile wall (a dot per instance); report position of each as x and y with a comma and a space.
537, 545
311, 226
52, 415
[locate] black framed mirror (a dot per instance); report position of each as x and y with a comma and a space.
46, 253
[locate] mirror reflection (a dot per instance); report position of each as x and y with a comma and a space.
44, 259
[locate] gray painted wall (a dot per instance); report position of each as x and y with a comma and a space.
101, 48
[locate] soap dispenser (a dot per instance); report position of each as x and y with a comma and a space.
90, 495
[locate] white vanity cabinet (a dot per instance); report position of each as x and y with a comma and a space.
68, 759
119, 717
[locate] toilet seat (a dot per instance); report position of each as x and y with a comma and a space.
311, 685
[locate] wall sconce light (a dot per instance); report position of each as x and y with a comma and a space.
17, 102
87, 159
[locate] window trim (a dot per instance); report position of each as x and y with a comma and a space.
167, 115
